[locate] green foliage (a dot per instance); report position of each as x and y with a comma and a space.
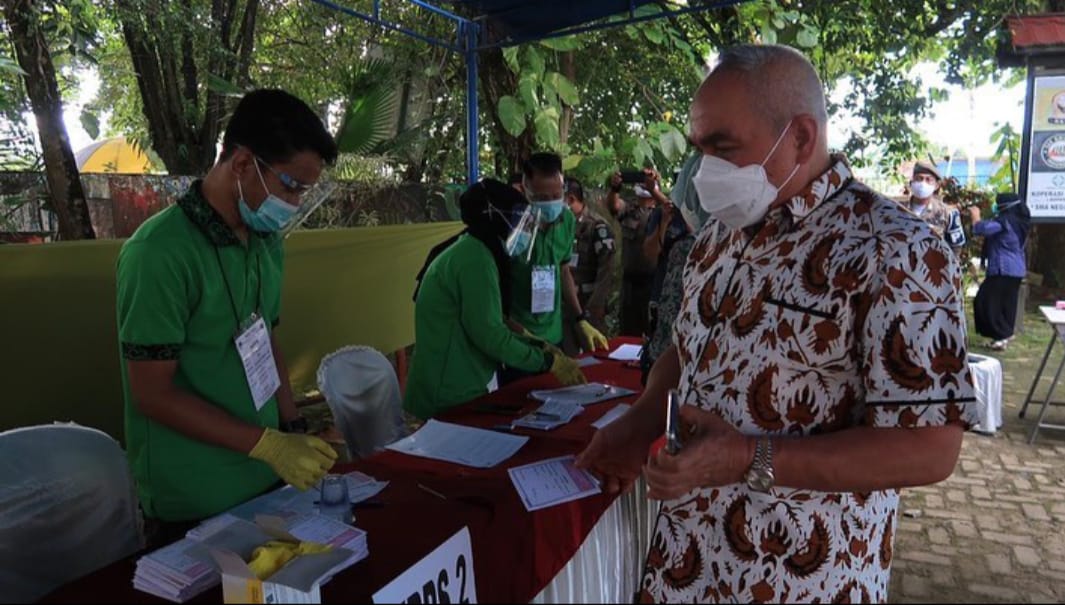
604, 99
371, 106
512, 114
1007, 155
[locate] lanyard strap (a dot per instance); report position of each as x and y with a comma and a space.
229, 290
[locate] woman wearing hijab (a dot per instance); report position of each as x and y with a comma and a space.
995, 307
460, 334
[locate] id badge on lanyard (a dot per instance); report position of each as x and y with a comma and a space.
253, 345
257, 355
544, 278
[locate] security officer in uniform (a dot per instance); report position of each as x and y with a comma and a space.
592, 264
638, 269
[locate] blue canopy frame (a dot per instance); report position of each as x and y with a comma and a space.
502, 23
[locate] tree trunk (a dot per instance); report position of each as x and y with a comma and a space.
60, 168
569, 69
185, 115
497, 81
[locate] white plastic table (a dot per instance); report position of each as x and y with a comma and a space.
1056, 318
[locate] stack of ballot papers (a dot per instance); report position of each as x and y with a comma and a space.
552, 414
176, 572
186, 568
583, 394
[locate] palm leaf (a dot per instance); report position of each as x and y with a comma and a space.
371, 110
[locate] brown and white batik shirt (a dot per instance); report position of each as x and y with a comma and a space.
841, 310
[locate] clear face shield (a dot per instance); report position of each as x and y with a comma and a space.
310, 201
523, 234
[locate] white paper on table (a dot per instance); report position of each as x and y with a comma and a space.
626, 353
465, 445
583, 394
584, 362
553, 481
616, 412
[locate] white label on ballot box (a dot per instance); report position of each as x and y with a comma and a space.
443, 576
543, 288
257, 355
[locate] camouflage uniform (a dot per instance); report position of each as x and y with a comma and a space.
639, 271
592, 265
944, 219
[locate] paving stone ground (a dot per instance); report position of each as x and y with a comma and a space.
995, 530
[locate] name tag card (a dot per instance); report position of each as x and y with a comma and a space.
543, 288
257, 355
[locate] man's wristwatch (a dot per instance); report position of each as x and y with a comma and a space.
760, 476
299, 425
584, 316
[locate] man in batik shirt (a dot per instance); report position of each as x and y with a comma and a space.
819, 355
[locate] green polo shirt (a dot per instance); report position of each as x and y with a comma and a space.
460, 337
553, 246
183, 280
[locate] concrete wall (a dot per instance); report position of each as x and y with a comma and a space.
119, 203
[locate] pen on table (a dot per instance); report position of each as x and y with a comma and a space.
432, 491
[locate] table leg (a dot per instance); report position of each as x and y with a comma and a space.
1038, 375
1046, 403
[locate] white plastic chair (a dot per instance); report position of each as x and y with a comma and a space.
67, 508
362, 391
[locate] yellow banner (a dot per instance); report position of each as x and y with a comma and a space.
57, 315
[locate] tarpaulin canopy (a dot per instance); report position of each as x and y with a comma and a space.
114, 155
485, 24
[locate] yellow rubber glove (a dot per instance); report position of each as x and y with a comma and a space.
592, 339
270, 557
267, 559
566, 370
552, 349
300, 460
540, 342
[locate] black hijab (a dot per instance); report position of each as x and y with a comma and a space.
486, 208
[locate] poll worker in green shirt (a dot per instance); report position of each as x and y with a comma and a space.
542, 280
460, 336
209, 414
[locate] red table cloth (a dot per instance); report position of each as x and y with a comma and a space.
516, 553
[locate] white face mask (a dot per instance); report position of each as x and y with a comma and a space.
738, 197
922, 190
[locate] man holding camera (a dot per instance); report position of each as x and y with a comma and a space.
638, 268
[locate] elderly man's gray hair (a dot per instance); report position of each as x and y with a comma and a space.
781, 80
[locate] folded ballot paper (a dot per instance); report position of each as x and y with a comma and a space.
217, 550
552, 414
